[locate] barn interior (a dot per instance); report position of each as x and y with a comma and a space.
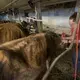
21, 18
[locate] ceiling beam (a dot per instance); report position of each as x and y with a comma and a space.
23, 4
8, 5
46, 3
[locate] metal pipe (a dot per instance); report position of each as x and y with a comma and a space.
9, 4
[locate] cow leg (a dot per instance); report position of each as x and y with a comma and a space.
47, 63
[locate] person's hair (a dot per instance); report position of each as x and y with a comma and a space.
73, 16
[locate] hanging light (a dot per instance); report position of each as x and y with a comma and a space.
31, 3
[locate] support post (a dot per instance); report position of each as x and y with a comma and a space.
78, 10
38, 16
10, 15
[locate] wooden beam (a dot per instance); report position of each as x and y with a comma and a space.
45, 3
38, 16
52, 2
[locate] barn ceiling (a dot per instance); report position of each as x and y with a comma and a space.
23, 4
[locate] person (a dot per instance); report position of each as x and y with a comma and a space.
72, 22
63, 35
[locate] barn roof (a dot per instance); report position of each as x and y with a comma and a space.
23, 4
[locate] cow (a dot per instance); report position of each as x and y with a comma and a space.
33, 50
10, 31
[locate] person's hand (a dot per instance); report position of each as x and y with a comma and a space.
64, 41
62, 44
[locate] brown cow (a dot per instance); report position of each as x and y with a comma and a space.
11, 31
33, 50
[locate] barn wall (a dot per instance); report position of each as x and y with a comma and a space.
52, 18
56, 17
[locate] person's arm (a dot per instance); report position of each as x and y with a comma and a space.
67, 40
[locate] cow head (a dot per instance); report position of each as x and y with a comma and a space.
53, 43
